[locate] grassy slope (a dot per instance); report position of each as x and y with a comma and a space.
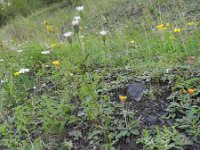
37, 108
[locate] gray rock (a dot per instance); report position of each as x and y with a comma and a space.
135, 91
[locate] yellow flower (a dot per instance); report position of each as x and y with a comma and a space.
122, 98
50, 29
56, 63
176, 30
132, 41
190, 91
162, 26
190, 23
16, 73
53, 46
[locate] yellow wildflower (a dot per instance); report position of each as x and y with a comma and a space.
50, 29
132, 41
160, 27
177, 30
190, 23
56, 63
190, 91
53, 46
122, 98
16, 73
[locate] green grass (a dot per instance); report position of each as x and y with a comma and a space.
77, 103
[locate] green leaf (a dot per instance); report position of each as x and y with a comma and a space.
134, 131
121, 134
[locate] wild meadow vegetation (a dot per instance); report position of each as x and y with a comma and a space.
65, 70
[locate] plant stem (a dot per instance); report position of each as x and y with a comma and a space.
80, 44
125, 118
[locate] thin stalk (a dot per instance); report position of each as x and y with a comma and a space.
125, 118
80, 44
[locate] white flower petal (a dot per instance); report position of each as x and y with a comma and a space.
22, 70
45, 52
80, 8
103, 32
75, 22
77, 18
67, 34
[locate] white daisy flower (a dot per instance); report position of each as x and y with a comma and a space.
77, 18
67, 34
75, 24
103, 32
45, 52
23, 70
80, 8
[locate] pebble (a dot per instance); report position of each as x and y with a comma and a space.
135, 91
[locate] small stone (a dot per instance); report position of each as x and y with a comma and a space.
135, 91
